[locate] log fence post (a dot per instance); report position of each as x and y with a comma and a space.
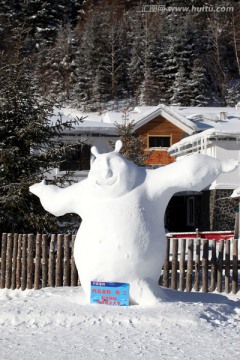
59, 270
3, 260
19, 262
66, 261
37, 262
227, 266
24, 262
213, 266
220, 266
74, 273
9, 261
44, 261
30, 261
174, 264
205, 266
166, 266
235, 266
189, 265
197, 265
51, 261
182, 281
14, 261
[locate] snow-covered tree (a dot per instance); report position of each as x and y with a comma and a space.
55, 66
181, 95
29, 146
115, 53
219, 56
88, 54
197, 86
101, 64
99, 53
133, 145
233, 93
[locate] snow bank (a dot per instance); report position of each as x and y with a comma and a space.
57, 323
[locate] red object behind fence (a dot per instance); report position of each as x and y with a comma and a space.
208, 235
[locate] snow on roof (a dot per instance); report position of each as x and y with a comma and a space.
236, 194
210, 123
98, 122
168, 113
210, 117
191, 119
93, 122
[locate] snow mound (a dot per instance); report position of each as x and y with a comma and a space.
59, 323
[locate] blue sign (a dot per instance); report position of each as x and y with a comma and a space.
109, 293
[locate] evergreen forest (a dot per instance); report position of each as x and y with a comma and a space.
98, 54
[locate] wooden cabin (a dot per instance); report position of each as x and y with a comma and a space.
161, 128
160, 134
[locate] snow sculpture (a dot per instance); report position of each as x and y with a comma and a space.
122, 206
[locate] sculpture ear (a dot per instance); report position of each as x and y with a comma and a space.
118, 145
94, 151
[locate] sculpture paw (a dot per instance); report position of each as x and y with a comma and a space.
36, 189
229, 165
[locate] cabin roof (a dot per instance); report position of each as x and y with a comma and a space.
192, 120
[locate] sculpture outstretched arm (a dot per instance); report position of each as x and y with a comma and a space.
58, 201
193, 173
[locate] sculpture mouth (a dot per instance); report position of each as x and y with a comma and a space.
107, 182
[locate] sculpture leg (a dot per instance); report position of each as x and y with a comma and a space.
146, 292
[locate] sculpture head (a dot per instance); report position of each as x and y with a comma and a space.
111, 173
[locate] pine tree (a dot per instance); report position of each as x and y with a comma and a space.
197, 85
87, 74
220, 51
29, 147
179, 61
56, 65
115, 53
133, 145
145, 66
233, 93
101, 63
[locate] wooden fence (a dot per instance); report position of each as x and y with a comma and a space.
200, 264
28, 261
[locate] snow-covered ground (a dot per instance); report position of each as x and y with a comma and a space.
58, 323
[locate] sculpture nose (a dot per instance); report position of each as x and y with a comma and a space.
107, 173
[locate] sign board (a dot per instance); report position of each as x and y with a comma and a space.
109, 293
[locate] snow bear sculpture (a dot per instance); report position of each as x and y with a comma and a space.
122, 206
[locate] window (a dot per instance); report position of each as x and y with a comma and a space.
159, 141
76, 159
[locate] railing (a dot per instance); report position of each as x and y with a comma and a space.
29, 261
32, 262
200, 264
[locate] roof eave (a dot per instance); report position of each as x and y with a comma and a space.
169, 115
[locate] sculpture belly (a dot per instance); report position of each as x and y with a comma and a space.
123, 244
